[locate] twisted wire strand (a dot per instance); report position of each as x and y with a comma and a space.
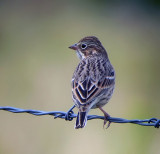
70, 115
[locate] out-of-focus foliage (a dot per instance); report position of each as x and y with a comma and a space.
36, 67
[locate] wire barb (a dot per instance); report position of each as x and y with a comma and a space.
70, 116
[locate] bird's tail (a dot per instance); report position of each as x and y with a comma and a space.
81, 120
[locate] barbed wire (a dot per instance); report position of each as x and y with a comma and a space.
70, 115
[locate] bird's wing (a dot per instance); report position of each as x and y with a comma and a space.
85, 91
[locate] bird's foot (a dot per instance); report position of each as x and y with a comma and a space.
106, 117
68, 114
106, 120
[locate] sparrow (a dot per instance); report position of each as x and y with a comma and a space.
93, 80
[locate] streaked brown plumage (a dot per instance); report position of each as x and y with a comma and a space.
93, 80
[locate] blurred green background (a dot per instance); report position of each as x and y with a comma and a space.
36, 67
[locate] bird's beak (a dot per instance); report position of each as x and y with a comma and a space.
74, 47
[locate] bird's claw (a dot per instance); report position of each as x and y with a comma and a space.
105, 122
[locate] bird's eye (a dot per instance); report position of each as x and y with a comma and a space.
83, 46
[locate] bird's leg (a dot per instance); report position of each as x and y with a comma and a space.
106, 116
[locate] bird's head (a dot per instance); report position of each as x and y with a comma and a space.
89, 46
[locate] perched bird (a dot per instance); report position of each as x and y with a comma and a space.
93, 81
